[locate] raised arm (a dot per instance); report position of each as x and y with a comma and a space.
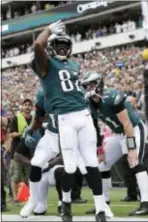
40, 45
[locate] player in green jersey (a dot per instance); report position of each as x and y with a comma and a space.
59, 77
111, 107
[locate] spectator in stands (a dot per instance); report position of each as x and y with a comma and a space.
19, 173
48, 6
118, 27
78, 37
131, 25
34, 8
7, 156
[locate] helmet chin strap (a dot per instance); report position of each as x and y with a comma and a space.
61, 57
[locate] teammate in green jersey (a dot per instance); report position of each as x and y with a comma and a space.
59, 77
111, 107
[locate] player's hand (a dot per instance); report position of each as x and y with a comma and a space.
132, 158
101, 157
57, 27
101, 154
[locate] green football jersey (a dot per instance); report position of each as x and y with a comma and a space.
43, 108
106, 110
62, 87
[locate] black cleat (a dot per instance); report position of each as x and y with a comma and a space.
141, 211
59, 210
39, 214
92, 211
79, 201
66, 214
129, 199
100, 217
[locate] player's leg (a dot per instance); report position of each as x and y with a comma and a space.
107, 184
140, 171
69, 144
58, 177
88, 151
113, 152
130, 181
43, 153
41, 207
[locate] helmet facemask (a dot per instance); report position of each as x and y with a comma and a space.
60, 47
93, 87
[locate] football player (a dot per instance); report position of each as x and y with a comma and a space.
59, 77
130, 132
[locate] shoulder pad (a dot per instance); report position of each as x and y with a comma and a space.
118, 99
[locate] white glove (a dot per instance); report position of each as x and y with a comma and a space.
57, 27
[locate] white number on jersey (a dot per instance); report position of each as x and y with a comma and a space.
66, 83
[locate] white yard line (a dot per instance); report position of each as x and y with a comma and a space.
87, 204
55, 218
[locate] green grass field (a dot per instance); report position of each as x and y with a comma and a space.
120, 209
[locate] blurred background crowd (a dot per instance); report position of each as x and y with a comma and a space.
122, 68
90, 32
35, 6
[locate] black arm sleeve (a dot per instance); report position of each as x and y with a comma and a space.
99, 137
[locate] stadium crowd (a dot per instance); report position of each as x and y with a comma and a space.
90, 32
36, 6
122, 68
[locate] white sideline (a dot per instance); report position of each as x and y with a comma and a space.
55, 218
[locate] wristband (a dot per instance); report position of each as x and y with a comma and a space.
100, 150
131, 142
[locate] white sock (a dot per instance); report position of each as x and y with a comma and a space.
106, 188
142, 180
34, 189
66, 196
99, 201
59, 203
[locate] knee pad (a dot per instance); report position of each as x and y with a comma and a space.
105, 174
139, 168
35, 174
